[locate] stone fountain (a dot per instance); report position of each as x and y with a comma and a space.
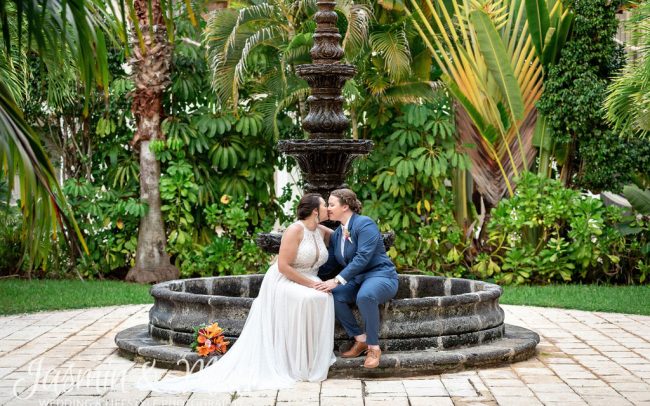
325, 158
433, 325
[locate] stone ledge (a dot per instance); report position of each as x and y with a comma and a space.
517, 344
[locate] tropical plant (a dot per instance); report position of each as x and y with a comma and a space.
51, 29
394, 67
198, 164
401, 184
211, 154
489, 64
628, 100
274, 36
582, 139
10, 232
253, 52
548, 233
550, 26
638, 198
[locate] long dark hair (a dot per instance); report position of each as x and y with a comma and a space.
307, 204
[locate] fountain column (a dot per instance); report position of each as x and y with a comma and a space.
326, 156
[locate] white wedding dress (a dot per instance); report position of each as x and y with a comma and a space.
288, 335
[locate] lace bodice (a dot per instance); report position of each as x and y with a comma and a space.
312, 252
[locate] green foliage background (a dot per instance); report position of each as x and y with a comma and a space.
598, 159
218, 160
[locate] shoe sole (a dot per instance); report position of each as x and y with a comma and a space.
355, 356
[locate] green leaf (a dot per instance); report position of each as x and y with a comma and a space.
473, 113
542, 136
538, 23
557, 38
498, 61
639, 199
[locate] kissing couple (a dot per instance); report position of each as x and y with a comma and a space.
319, 274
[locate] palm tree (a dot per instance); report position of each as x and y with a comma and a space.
50, 29
151, 62
284, 28
628, 103
489, 64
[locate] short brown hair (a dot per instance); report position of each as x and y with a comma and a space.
307, 204
348, 197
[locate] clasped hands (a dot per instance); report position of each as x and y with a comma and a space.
326, 286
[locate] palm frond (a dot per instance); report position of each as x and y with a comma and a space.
490, 66
257, 13
410, 92
274, 36
272, 106
392, 45
42, 201
627, 106
230, 36
13, 76
53, 29
358, 16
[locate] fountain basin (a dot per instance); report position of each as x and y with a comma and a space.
434, 325
428, 311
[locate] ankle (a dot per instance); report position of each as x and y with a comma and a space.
373, 347
361, 338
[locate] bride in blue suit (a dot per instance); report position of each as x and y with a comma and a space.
367, 278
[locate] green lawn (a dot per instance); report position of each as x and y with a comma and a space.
606, 298
22, 296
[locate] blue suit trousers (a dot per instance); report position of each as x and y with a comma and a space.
367, 295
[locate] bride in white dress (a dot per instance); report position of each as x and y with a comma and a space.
289, 332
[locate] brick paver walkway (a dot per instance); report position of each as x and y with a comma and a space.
584, 358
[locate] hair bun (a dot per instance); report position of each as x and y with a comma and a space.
359, 206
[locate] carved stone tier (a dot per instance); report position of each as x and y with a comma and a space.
326, 49
324, 162
325, 118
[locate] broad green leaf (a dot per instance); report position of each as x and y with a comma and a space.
558, 39
639, 199
541, 137
474, 114
498, 61
538, 23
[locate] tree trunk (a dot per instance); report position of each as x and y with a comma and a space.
151, 68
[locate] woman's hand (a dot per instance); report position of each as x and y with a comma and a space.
327, 285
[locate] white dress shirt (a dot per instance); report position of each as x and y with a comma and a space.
344, 227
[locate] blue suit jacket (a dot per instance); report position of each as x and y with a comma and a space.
364, 256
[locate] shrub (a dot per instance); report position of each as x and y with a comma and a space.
402, 185
231, 250
547, 233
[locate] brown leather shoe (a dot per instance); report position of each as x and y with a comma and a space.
372, 358
357, 349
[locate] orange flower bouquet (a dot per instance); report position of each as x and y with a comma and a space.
209, 340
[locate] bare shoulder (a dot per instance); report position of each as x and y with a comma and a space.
293, 232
